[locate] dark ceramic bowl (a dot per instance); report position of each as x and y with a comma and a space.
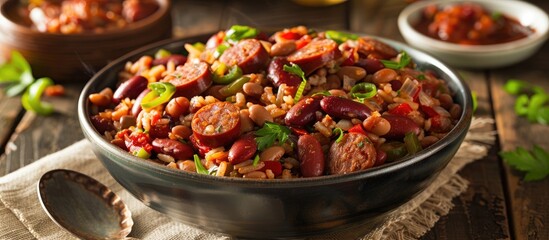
75, 57
276, 208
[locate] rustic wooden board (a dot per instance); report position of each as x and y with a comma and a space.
480, 212
10, 110
531, 209
37, 136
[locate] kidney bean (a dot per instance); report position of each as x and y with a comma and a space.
283, 48
136, 10
246, 123
130, 88
102, 124
252, 89
333, 82
176, 149
160, 130
243, 149
260, 115
277, 75
344, 108
177, 60
178, 106
303, 112
182, 132
273, 153
214, 92
353, 72
274, 166
400, 125
136, 108
311, 156
127, 121
384, 75
371, 65
381, 157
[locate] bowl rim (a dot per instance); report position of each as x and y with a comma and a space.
163, 10
540, 35
125, 158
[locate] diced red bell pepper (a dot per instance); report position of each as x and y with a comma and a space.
429, 111
137, 140
298, 131
274, 166
357, 129
289, 35
351, 59
303, 41
402, 109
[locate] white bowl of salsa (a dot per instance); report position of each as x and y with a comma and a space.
500, 33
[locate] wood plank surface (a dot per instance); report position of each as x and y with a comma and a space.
531, 209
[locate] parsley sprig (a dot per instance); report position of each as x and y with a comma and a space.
535, 162
404, 60
269, 133
17, 74
295, 69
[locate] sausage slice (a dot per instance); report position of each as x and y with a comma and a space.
216, 124
315, 55
248, 54
353, 153
191, 79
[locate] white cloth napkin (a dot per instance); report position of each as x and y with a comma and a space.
22, 217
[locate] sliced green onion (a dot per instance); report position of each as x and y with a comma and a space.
300, 89
198, 165
234, 73
421, 77
234, 87
239, 32
412, 143
213, 170
220, 50
340, 132
323, 93
161, 92
394, 150
521, 105
340, 37
363, 90
405, 59
162, 53
536, 102
31, 98
256, 160
142, 153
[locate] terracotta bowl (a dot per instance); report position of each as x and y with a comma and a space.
76, 57
277, 208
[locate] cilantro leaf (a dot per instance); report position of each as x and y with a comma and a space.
535, 163
295, 69
269, 133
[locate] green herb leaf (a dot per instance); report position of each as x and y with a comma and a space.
535, 163
199, 167
338, 131
543, 116
404, 60
521, 105
295, 69
269, 133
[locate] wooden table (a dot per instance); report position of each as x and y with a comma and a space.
497, 204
